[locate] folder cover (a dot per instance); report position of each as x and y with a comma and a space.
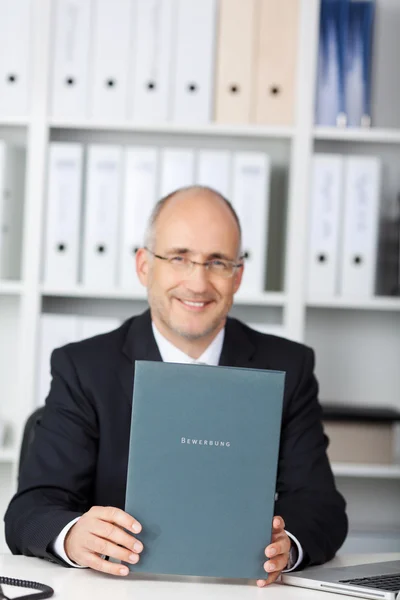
202, 467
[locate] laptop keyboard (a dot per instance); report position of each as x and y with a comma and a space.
389, 583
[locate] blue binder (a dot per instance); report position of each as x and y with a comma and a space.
358, 62
330, 97
202, 467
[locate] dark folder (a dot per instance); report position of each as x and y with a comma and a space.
202, 467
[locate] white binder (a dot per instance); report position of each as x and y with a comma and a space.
140, 197
214, 170
70, 68
112, 29
177, 169
104, 170
15, 53
63, 215
250, 198
361, 225
54, 331
90, 326
12, 188
325, 224
195, 59
152, 83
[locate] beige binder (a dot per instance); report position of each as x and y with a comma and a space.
235, 61
276, 53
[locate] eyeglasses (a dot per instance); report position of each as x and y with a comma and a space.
216, 266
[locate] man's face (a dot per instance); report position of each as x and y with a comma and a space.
191, 305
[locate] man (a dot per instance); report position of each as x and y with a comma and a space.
68, 507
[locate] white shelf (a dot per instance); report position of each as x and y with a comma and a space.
260, 299
7, 455
367, 471
11, 288
14, 121
379, 303
209, 129
380, 136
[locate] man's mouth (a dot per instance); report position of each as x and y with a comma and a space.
194, 304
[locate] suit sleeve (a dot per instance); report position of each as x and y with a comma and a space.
312, 508
56, 478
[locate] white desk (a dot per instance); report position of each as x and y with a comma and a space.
77, 584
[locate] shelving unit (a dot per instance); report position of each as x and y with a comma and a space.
357, 341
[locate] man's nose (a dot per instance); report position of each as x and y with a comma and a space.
198, 280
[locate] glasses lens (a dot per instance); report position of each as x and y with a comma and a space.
221, 268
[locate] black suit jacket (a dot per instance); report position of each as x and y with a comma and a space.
80, 453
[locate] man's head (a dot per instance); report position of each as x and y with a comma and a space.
199, 224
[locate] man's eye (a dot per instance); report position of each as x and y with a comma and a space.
221, 265
177, 260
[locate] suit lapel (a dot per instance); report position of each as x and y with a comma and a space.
237, 349
139, 344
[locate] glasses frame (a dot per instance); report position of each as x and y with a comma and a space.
205, 264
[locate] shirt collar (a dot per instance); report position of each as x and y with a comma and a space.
170, 353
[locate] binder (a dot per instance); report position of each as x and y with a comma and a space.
195, 56
235, 61
358, 63
250, 198
152, 73
361, 224
70, 68
102, 209
214, 170
189, 449
63, 216
90, 326
140, 197
54, 331
12, 191
177, 169
325, 224
112, 30
277, 35
15, 53
333, 36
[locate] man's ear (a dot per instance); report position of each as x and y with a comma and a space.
142, 266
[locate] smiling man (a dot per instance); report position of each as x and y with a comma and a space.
68, 507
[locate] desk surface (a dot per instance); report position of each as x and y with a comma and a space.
82, 584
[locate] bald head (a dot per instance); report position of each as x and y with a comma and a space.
193, 204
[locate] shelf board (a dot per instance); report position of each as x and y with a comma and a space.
367, 471
10, 288
7, 455
355, 134
210, 129
260, 299
378, 303
14, 121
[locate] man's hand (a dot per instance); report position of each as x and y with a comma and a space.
277, 552
101, 531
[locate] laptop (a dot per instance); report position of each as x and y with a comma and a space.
374, 580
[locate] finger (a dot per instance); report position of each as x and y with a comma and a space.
102, 546
272, 577
98, 564
261, 582
280, 545
116, 515
276, 565
278, 523
114, 533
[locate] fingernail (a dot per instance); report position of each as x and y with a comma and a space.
133, 558
270, 566
272, 552
124, 571
136, 527
138, 547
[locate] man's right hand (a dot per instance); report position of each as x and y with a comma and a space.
101, 531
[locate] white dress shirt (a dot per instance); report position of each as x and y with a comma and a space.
172, 354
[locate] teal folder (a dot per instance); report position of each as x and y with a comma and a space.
202, 467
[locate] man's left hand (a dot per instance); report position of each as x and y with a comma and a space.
277, 552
